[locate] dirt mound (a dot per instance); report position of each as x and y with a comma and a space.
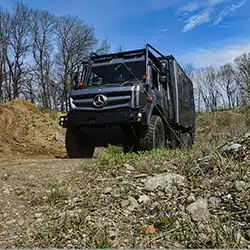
25, 130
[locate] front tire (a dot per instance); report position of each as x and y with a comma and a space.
76, 145
154, 137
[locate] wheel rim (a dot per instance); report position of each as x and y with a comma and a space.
159, 136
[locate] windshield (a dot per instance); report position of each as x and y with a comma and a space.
119, 73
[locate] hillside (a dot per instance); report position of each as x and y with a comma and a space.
173, 199
26, 131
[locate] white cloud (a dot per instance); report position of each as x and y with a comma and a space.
196, 5
195, 20
217, 55
204, 16
193, 6
227, 11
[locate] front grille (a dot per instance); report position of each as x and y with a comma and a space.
115, 99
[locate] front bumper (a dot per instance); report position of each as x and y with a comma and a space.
83, 118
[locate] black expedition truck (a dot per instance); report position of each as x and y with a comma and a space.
140, 99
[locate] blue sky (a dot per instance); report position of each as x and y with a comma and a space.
197, 31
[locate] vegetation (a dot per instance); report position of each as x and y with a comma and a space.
78, 203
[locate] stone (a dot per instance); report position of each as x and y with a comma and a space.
38, 215
138, 176
191, 198
125, 203
108, 199
20, 222
60, 138
108, 190
165, 181
247, 135
128, 167
233, 147
143, 199
199, 210
133, 202
160, 193
241, 186
214, 202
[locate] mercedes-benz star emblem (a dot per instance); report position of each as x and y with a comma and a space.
100, 100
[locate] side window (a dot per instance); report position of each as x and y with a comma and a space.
155, 78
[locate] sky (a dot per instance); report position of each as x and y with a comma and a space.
211, 32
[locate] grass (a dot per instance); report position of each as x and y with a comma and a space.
52, 113
78, 214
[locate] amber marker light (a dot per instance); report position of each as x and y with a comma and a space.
81, 84
144, 77
149, 99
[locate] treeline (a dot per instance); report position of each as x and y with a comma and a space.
38, 52
225, 87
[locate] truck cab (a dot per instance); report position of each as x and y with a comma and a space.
138, 99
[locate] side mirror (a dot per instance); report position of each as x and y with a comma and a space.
163, 69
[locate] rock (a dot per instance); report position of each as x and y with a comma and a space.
38, 215
214, 202
133, 202
20, 206
191, 198
166, 181
125, 203
150, 229
39, 220
128, 167
20, 222
108, 199
13, 237
108, 190
247, 135
76, 199
241, 186
199, 210
112, 234
143, 199
247, 235
60, 138
138, 176
233, 147
160, 193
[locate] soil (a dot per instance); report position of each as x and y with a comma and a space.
26, 131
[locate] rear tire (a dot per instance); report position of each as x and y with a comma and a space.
76, 146
154, 138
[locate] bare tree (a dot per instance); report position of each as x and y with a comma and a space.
5, 24
242, 76
226, 78
103, 48
208, 87
18, 45
74, 40
42, 29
